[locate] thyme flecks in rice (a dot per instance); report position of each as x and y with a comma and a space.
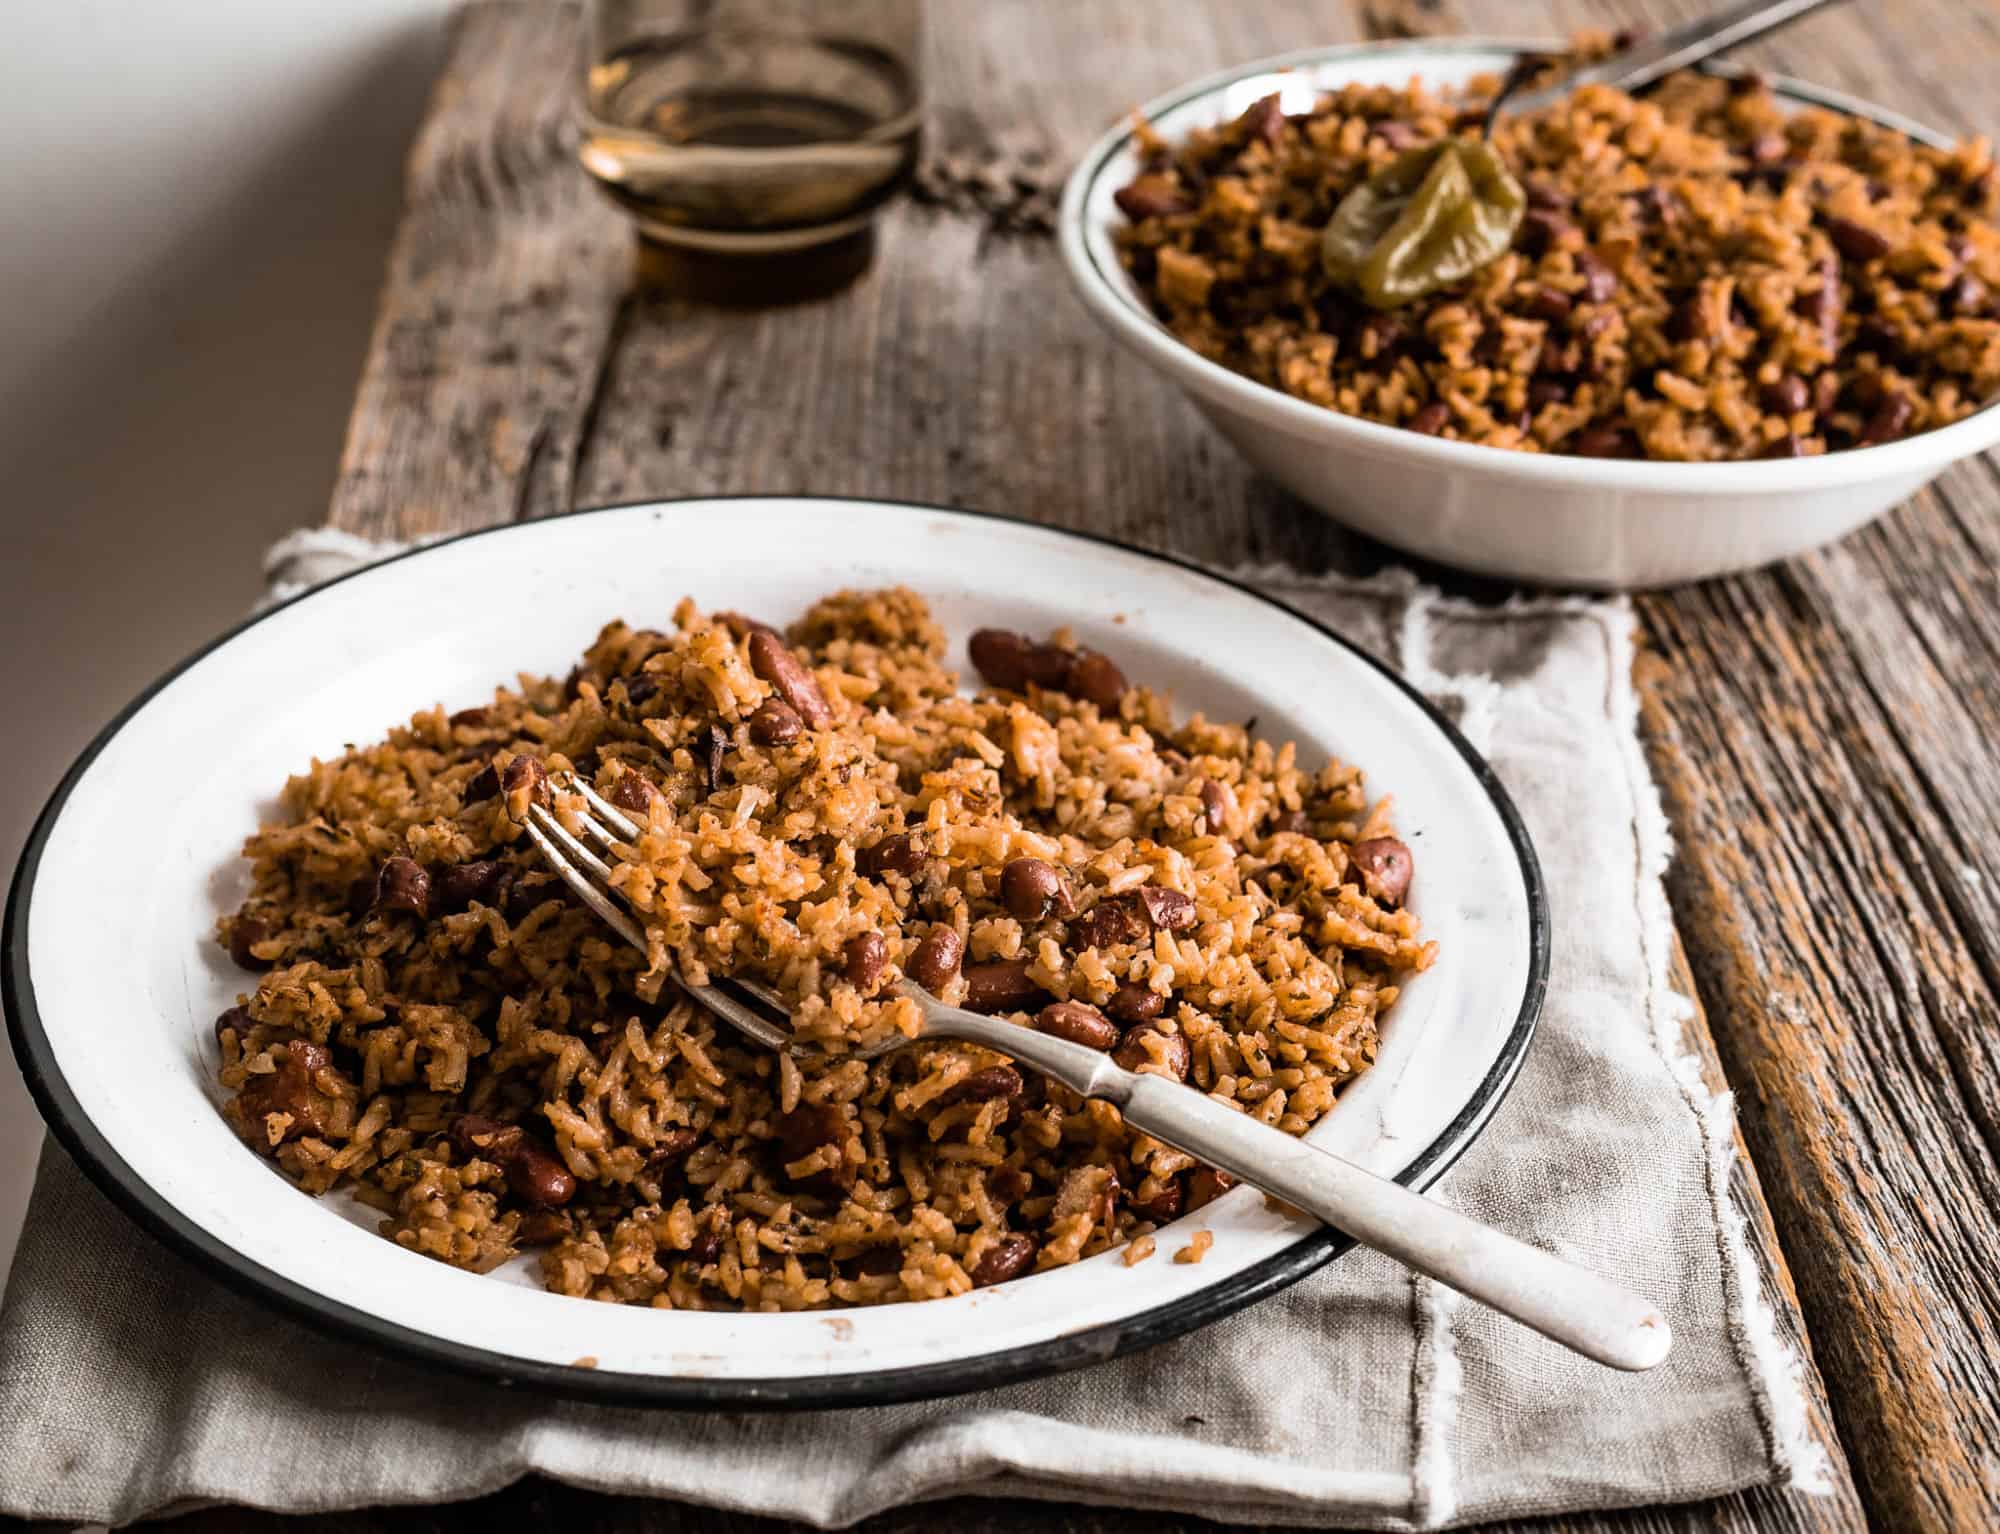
475, 1056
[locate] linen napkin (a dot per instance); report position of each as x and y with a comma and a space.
131, 1384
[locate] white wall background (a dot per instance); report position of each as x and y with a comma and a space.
196, 197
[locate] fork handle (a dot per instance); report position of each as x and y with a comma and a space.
1571, 1305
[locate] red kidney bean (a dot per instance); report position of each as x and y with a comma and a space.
469, 718
1541, 229
1094, 678
705, 1248
864, 959
458, 885
1889, 421
1009, 1257
1151, 197
902, 853
1294, 822
1010, 661
1599, 280
1107, 924
1550, 199
1264, 119
671, 1147
1822, 305
237, 1018
774, 722
1605, 442
1382, 866
632, 793
483, 784
772, 659
1173, 1060
535, 1173
402, 885
245, 931
543, 1227
1008, 1184
1787, 395
538, 1177
1966, 298
1001, 657
1432, 419
1166, 908
936, 958
1658, 204
639, 689
1214, 806
1550, 304
1163, 1206
1135, 1003
1077, 1023
1857, 242
529, 892
1546, 391
289, 1089
1030, 888
1205, 1185
983, 1086
1397, 135
1790, 445
1381, 336
999, 985
1688, 321
808, 1128
878, 1262
524, 780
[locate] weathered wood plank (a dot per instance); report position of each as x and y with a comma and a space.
480, 378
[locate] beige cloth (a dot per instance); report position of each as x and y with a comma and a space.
130, 1383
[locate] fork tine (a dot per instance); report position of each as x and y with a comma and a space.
570, 783
546, 819
749, 1020
565, 852
761, 991
581, 882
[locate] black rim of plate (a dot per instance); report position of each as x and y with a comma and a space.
131, 1193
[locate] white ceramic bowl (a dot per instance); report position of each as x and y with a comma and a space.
1608, 524
110, 974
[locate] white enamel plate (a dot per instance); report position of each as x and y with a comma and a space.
112, 978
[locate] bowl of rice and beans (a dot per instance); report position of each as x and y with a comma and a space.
441, 1029
1734, 317
386, 1072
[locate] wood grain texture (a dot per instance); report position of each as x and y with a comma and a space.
1824, 731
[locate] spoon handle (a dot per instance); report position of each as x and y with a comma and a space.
1676, 48
1573, 1306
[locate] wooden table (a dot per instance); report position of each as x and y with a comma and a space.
1825, 731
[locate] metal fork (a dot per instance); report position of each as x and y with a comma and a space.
1569, 1304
